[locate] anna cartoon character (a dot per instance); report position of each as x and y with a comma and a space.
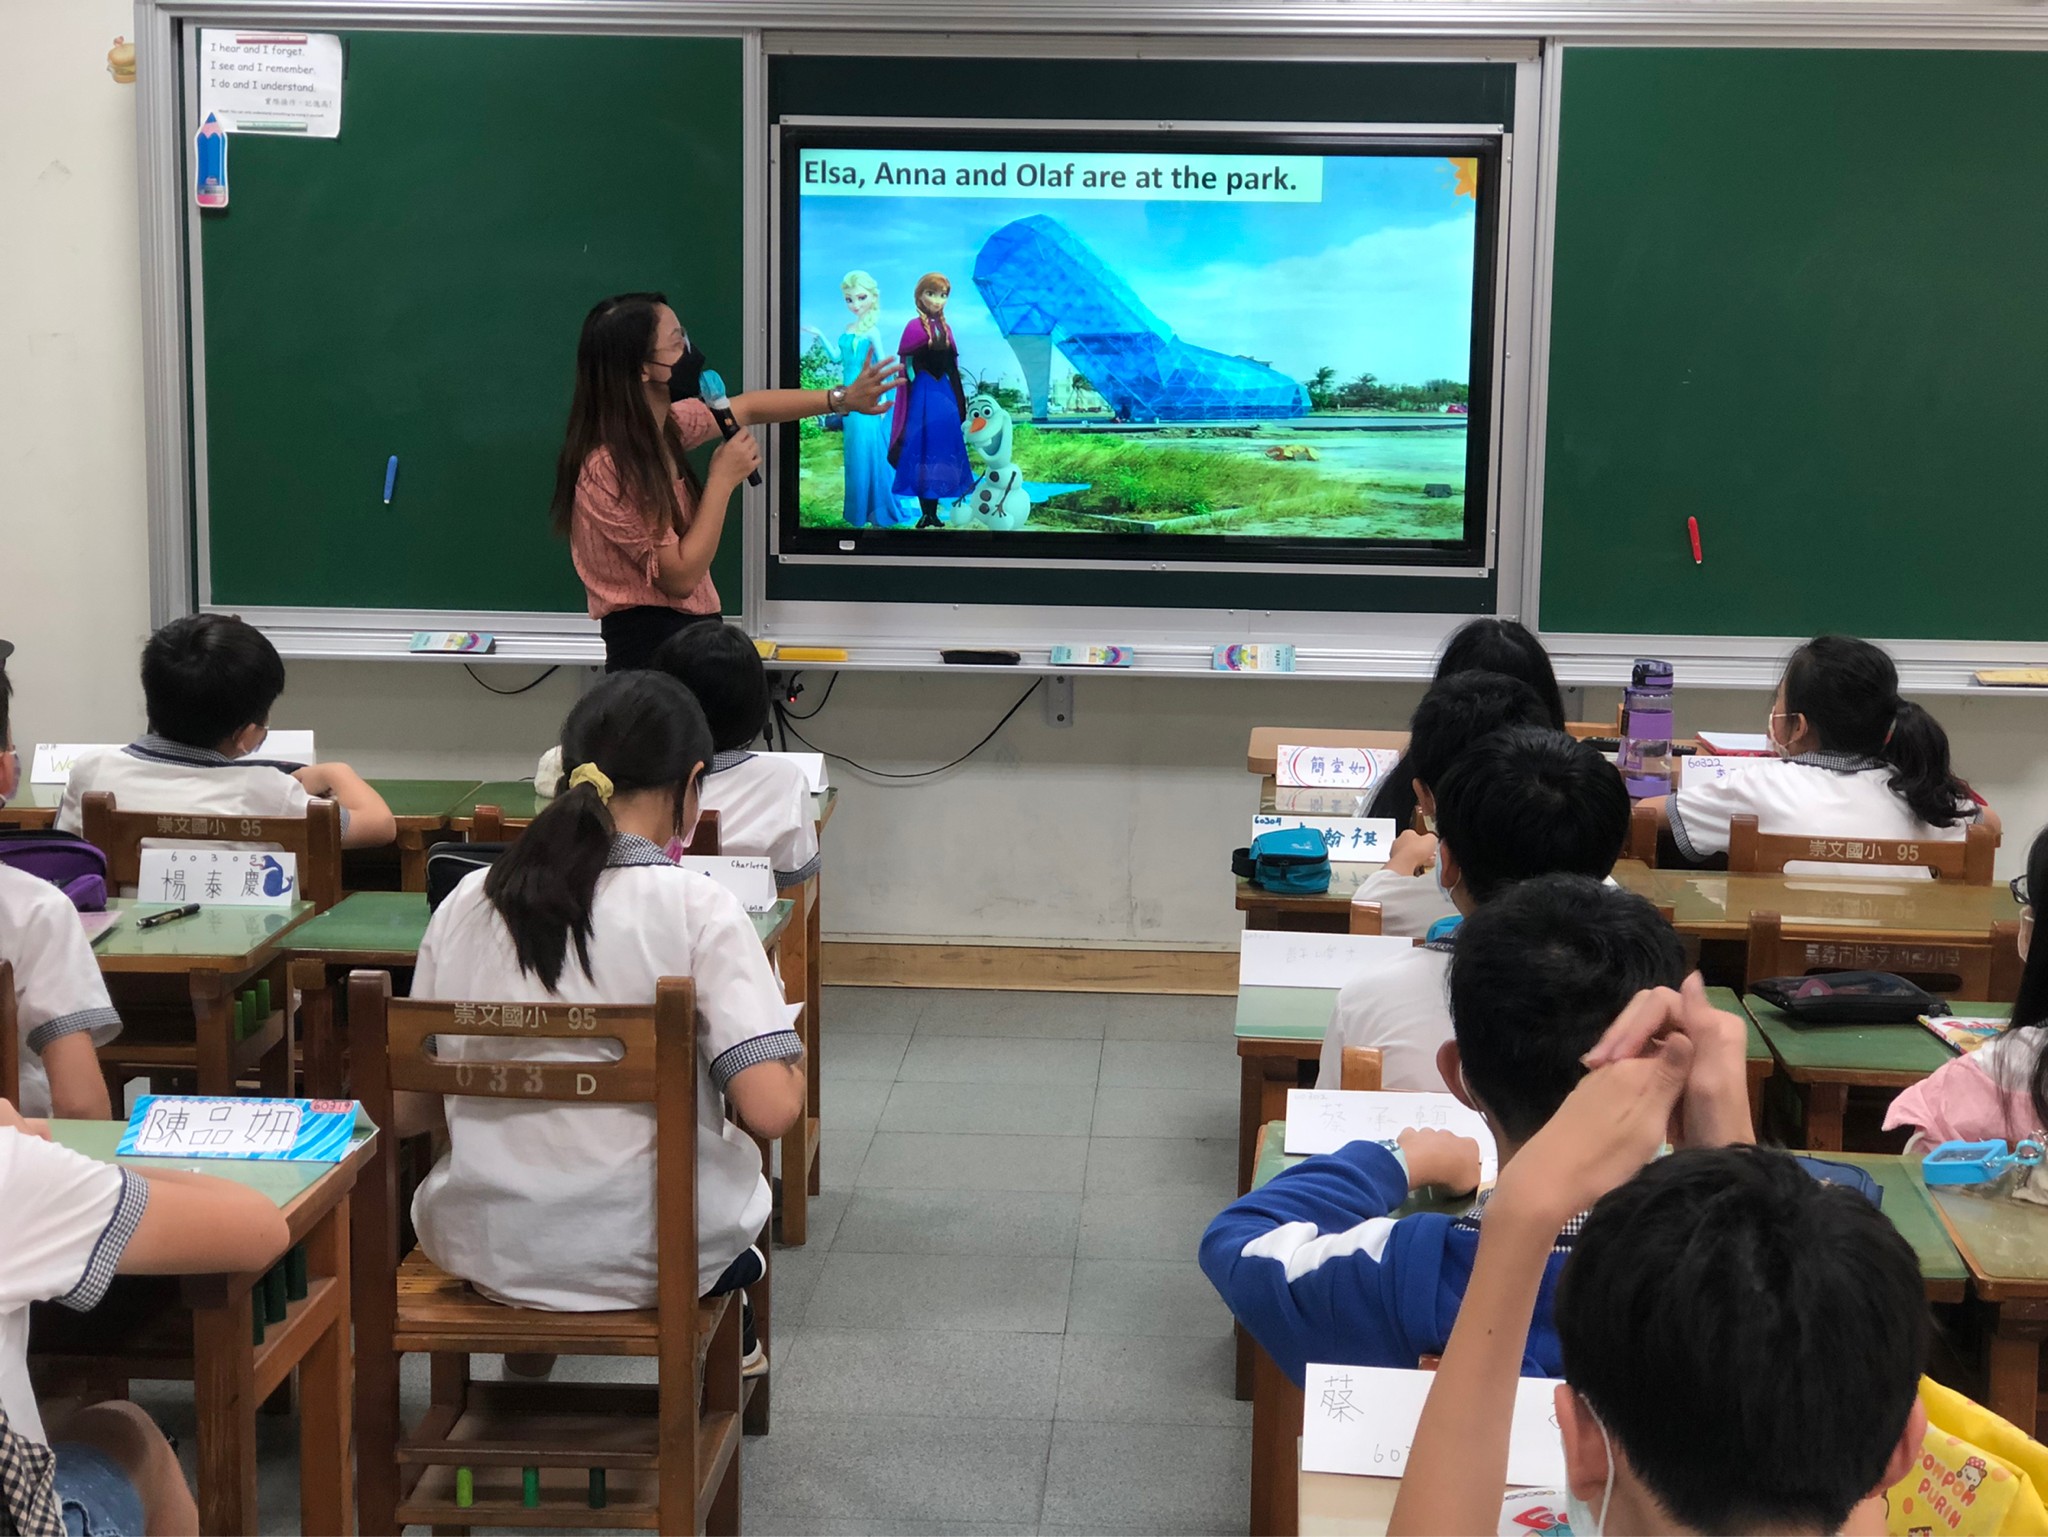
871, 500
925, 442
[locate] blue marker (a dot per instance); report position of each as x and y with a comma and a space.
390, 478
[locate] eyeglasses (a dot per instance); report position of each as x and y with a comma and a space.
2018, 887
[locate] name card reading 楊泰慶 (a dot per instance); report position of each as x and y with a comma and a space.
1350, 840
1333, 768
52, 762
1323, 1120
746, 876
1289, 958
218, 877
1362, 1419
197, 1126
812, 763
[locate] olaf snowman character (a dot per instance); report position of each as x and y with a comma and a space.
998, 499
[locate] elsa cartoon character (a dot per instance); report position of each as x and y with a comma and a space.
870, 500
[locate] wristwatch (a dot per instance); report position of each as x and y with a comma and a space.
835, 399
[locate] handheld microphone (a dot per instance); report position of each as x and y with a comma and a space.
712, 388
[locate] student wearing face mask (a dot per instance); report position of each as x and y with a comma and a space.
1855, 760
642, 527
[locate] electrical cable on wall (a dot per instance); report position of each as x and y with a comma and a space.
508, 692
783, 718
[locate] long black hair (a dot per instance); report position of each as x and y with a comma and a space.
644, 731
1848, 690
609, 411
1481, 645
2030, 1008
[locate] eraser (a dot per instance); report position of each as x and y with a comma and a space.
1252, 658
810, 653
459, 642
1093, 655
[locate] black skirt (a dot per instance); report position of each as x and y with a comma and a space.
632, 635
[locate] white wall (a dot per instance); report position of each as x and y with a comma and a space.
1116, 830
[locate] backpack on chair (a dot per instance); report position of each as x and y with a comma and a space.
65, 860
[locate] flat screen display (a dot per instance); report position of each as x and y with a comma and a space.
1140, 346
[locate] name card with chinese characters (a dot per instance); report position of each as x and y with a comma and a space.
219, 877
750, 879
1362, 1419
1323, 1120
52, 762
1330, 768
1320, 803
812, 763
1285, 958
1350, 840
280, 1130
1704, 768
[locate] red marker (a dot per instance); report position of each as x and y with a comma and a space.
1692, 527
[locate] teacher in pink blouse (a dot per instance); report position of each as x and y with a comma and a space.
642, 528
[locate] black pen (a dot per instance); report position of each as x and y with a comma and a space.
165, 917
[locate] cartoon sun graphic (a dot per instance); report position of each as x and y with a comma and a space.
1465, 178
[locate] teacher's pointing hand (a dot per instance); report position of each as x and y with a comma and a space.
869, 392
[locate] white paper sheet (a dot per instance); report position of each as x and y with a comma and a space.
747, 877
1288, 958
1323, 1120
272, 82
1362, 1419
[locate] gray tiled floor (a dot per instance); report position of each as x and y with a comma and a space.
997, 1325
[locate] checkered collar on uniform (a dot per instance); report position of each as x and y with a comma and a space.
161, 749
1838, 762
721, 761
1565, 1239
632, 849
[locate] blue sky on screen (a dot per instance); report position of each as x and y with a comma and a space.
1377, 277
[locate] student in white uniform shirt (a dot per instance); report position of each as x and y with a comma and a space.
1455, 713
1854, 761
60, 1000
552, 1206
1519, 803
208, 682
73, 1224
763, 802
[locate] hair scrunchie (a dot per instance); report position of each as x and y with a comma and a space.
590, 774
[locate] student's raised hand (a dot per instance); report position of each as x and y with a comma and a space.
869, 392
1440, 1158
1412, 853
1608, 1127
1715, 1109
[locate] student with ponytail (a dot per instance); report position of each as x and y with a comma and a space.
2001, 1088
552, 1206
1855, 760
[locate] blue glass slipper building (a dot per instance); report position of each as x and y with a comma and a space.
1047, 289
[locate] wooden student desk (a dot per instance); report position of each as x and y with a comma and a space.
2004, 1243
1286, 1500
1826, 1061
1711, 904
422, 808
201, 1327
196, 966
32, 806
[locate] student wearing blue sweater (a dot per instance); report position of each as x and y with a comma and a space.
1315, 1264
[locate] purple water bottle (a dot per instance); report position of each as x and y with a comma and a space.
1644, 756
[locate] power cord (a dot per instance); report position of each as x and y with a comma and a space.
508, 692
783, 716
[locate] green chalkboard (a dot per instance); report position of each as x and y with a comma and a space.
1798, 295
415, 287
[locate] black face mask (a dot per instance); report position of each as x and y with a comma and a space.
686, 372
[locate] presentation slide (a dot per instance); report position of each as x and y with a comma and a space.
1157, 351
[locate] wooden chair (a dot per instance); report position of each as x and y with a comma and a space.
1360, 1068
1365, 918
1588, 730
315, 840
1969, 861
1642, 834
488, 824
673, 1447
1985, 966
10, 1039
